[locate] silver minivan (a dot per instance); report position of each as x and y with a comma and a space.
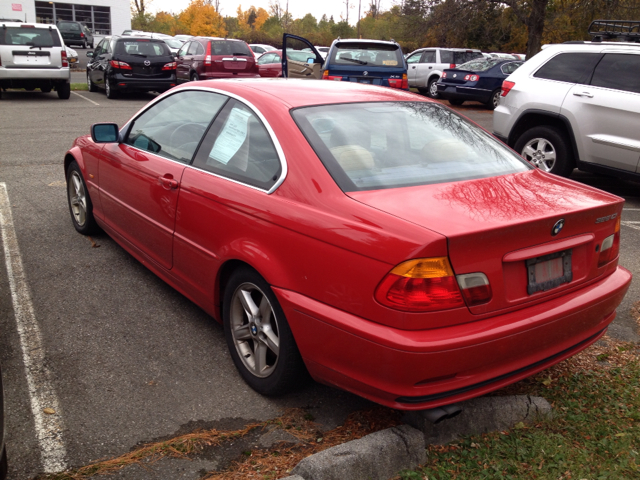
33, 55
425, 66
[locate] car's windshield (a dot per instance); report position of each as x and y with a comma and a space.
142, 47
300, 56
38, 37
373, 54
480, 64
173, 43
409, 143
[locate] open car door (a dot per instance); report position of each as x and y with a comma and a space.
300, 59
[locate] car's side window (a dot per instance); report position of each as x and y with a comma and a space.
99, 49
239, 147
509, 68
429, 56
266, 58
173, 127
107, 46
569, 67
193, 48
183, 50
618, 71
415, 58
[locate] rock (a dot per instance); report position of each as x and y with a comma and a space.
481, 415
275, 436
378, 456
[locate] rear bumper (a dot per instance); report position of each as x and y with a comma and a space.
463, 93
414, 370
122, 83
17, 75
217, 75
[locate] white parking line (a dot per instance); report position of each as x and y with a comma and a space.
88, 100
49, 425
635, 225
631, 209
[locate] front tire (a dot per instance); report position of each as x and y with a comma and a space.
456, 102
258, 336
64, 91
80, 205
432, 88
547, 148
90, 84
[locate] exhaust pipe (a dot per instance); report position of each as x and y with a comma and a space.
438, 414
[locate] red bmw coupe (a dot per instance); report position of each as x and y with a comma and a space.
379, 240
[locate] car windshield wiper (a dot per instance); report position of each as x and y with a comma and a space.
355, 60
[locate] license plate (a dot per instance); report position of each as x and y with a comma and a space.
365, 81
549, 271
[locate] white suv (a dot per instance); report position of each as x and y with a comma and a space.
575, 105
33, 56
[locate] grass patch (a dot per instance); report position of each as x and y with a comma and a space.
595, 433
79, 86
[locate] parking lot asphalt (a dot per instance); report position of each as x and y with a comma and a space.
128, 358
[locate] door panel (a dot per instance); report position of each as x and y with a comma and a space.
296, 69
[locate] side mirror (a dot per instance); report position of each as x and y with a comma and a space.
90, 54
105, 133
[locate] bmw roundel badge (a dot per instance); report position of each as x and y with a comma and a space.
557, 228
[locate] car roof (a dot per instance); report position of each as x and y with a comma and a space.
363, 40
295, 93
26, 25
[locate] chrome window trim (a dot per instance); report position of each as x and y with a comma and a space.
281, 156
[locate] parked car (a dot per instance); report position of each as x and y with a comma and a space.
76, 33
131, 33
425, 66
72, 55
369, 235
131, 64
374, 62
478, 80
270, 63
258, 49
203, 58
576, 105
33, 55
183, 38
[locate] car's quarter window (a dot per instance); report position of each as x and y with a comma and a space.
239, 147
572, 67
173, 127
509, 68
196, 49
410, 143
618, 71
446, 56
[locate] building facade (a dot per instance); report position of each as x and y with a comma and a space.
103, 17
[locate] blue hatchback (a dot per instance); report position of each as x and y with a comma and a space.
375, 62
479, 80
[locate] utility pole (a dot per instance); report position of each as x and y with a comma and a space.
359, 7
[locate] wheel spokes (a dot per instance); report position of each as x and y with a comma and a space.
248, 304
260, 357
242, 332
271, 339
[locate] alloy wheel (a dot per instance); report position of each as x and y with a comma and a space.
541, 153
254, 328
77, 198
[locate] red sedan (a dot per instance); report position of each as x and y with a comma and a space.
376, 239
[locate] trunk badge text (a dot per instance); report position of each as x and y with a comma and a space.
557, 228
607, 218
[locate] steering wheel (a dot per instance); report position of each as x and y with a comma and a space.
194, 135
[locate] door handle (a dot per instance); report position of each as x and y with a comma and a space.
583, 94
167, 182
430, 68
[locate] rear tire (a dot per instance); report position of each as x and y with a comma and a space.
432, 88
548, 149
456, 102
64, 91
111, 94
494, 100
194, 77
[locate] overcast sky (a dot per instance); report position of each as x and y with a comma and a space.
297, 8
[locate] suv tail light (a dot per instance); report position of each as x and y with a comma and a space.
207, 58
327, 76
452, 65
81, 35
471, 78
169, 66
65, 60
506, 88
400, 82
120, 65
475, 288
610, 246
420, 285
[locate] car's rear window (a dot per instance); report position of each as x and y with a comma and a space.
37, 37
142, 46
480, 65
230, 47
371, 146
366, 53
69, 26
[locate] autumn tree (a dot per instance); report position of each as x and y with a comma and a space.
201, 19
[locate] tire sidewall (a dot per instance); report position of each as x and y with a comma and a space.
288, 365
90, 223
430, 87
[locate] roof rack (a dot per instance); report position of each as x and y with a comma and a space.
627, 30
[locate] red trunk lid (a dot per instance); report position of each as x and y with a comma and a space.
494, 225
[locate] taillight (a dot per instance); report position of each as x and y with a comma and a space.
471, 78
399, 82
169, 66
444, 74
610, 247
81, 35
405, 82
421, 285
327, 76
120, 65
475, 288
506, 88
452, 65
207, 57
65, 60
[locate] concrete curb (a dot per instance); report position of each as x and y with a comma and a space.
378, 456
381, 455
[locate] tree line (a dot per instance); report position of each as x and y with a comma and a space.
521, 26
